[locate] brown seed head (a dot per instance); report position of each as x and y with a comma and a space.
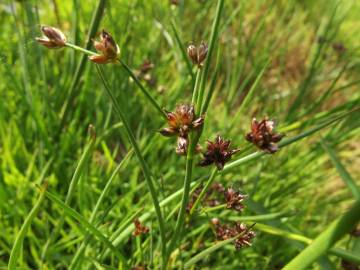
182, 121
218, 152
224, 232
139, 228
234, 199
246, 235
53, 38
107, 48
263, 135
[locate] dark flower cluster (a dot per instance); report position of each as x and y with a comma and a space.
139, 228
233, 198
218, 152
243, 234
263, 135
180, 123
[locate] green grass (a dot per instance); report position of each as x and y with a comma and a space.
265, 59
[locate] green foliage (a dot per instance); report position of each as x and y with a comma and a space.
294, 61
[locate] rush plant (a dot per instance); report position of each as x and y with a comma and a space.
206, 199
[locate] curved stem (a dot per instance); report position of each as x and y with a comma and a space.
203, 191
185, 198
80, 49
152, 101
143, 89
144, 167
213, 38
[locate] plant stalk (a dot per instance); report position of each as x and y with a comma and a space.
144, 167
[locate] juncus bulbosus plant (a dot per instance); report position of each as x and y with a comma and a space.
43, 128
186, 123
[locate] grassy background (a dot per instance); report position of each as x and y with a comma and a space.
305, 83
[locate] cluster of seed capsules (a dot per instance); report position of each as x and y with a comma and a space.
183, 120
180, 123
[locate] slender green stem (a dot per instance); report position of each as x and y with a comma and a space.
203, 191
130, 73
14, 255
70, 193
345, 176
78, 217
196, 87
144, 167
74, 89
211, 89
211, 209
143, 89
213, 38
185, 198
80, 251
80, 49
183, 51
195, 138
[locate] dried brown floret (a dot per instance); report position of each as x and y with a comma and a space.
234, 199
181, 121
218, 152
107, 47
263, 135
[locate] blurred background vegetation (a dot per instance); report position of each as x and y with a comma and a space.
310, 52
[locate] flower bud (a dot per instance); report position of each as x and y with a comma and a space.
53, 38
198, 55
